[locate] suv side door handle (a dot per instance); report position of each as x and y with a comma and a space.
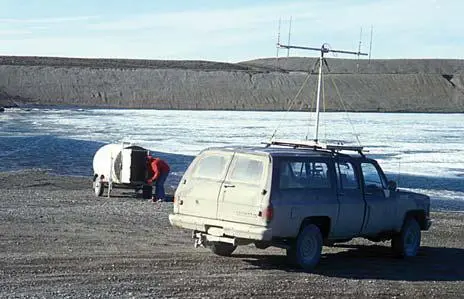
229, 186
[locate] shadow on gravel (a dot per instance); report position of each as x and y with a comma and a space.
133, 195
376, 262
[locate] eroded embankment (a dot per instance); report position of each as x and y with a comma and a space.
381, 85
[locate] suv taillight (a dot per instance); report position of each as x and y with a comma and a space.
268, 213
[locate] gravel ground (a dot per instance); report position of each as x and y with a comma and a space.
58, 240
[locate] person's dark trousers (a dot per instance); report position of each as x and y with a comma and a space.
159, 185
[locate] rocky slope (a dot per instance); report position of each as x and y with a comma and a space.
263, 84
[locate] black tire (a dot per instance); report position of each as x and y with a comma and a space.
291, 255
147, 192
262, 245
221, 248
407, 242
98, 187
306, 252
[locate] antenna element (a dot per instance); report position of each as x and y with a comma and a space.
323, 50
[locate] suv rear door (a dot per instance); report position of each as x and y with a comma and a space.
198, 192
352, 205
304, 187
244, 189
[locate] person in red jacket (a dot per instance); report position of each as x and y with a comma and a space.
159, 171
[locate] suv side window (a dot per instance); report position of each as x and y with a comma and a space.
247, 170
303, 174
372, 178
212, 167
346, 176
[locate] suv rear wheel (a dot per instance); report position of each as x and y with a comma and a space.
407, 242
306, 252
221, 248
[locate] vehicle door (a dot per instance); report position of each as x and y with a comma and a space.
381, 207
352, 205
305, 188
243, 189
199, 190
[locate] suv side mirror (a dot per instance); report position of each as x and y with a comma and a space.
392, 185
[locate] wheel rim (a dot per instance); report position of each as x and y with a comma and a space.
411, 241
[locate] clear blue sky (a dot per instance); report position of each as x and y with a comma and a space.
232, 31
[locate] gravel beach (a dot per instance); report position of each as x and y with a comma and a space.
58, 240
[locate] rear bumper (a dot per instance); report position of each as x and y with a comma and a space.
226, 228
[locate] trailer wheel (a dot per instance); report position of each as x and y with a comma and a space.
147, 191
98, 187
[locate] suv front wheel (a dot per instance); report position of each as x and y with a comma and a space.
306, 252
407, 242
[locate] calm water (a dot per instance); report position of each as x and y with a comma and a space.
424, 152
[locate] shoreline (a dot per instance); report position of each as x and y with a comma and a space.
71, 107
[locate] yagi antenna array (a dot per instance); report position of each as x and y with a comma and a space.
324, 49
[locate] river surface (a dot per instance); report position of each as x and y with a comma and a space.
423, 152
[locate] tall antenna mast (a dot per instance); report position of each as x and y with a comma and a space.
359, 48
324, 49
360, 40
289, 32
278, 43
370, 44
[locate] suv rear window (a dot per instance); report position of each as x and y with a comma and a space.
346, 176
303, 174
246, 170
211, 167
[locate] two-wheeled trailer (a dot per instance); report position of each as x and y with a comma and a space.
121, 166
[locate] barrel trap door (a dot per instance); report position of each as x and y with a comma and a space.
138, 168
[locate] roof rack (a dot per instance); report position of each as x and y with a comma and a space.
316, 145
